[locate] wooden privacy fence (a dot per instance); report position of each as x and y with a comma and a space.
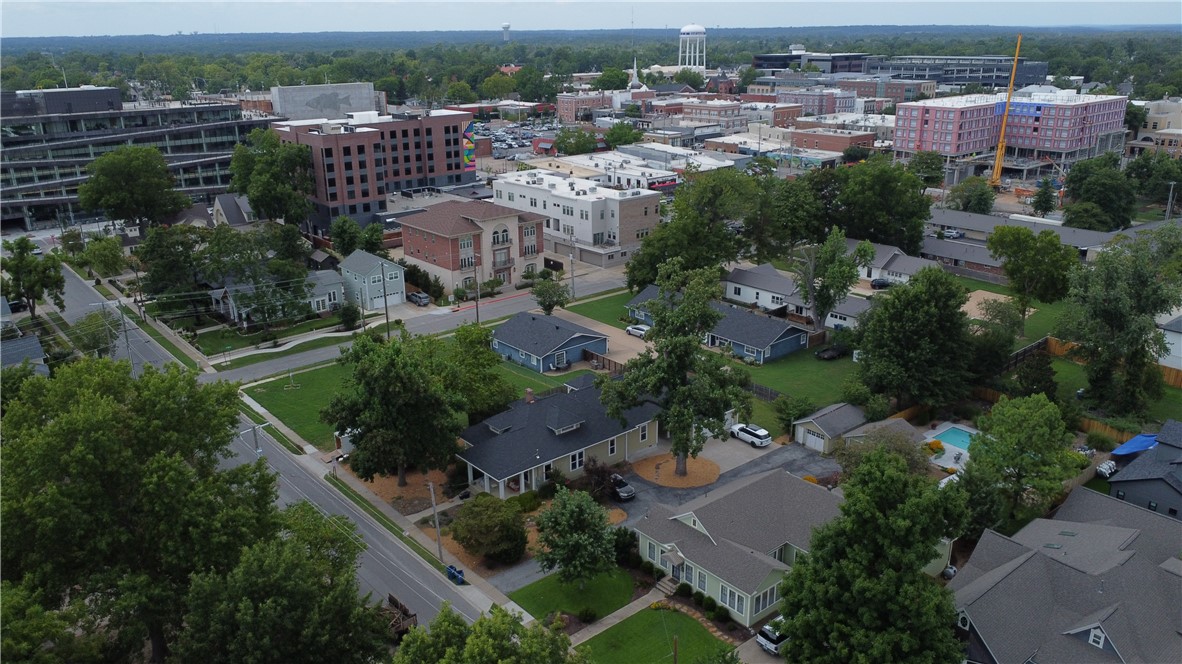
604, 363
908, 413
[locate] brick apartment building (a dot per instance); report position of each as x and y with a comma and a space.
573, 107
358, 162
464, 241
726, 114
832, 140
898, 91
1043, 129
604, 224
819, 101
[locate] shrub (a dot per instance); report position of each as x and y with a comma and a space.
529, 501
878, 406
966, 411
647, 567
699, 597
546, 274
597, 476
587, 615
659, 573
789, 409
950, 470
684, 590
350, 315
855, 392
1099, 441
489, 527
709, 604
1126, 424
749, 361
721, 614
459, 294
624, 543
936, 446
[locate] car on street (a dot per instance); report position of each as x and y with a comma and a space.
832, 353
879, 284
420, 298
621, 490
638, 330
751, 434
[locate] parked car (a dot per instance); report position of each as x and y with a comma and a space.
832, 353
420, 298
638, 330
621, 490
879, 284
769, 639
953, 234
752, 434
17, 306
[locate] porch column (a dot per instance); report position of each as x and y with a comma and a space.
521, 482
469, 473
501, 488
486, 489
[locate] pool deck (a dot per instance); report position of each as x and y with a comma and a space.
952, 457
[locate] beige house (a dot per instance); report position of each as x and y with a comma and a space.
821, 430
517, 449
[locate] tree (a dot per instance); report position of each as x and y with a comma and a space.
397, 410
575, 538
1036, 375
273, 605
792, 408
570, 141
694, 388
882, 202
350, 315
1037, 266
459, 92
95, 333
1100, 181
497, 86
492, 528
533, 85
913, 341
497, 637
105, 254
1024, 444
373, 239
780, 215
345, 235
39, 635
747, 76
275, 176
1135, 117
28, 277
1044, 199
612, 78
985, 504
622, 133
120, 495
549, 294
860, 594
1087, 216
1152, 172
972, 195
12, 379
992, 338
476, 372
855, 153
1112, 306
851, 454
691, 78
928, 166
174, 268
132, 183
825, 272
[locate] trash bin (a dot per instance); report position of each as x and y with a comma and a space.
455, 575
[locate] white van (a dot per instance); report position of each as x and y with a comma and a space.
769, 639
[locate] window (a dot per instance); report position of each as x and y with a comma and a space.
1172, 511
730, 598
375, 279
652, 551
1152, 506
576, 460
1096, 637
689, 574
611, 447
738, 290
1120, 494
643, 432
702, 581
764, 600
392, 276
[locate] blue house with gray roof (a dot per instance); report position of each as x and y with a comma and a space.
545, 343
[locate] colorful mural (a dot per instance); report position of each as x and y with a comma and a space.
470, 147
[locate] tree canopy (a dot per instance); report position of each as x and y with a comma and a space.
549, 293
575, 537
883, 202
492, 528
972, 195
345, 235
276, 177
1099, 181
570, 140
28, 278
928, 166
612, 78
825, 272
497, 637
1045, 199
132, 183
1037, 266
622, 133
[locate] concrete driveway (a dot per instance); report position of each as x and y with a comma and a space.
750, 653
621, 346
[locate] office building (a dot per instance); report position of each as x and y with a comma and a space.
799, 58
991, 71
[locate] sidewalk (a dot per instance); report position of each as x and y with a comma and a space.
607, 622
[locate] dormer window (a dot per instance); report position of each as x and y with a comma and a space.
1097, 637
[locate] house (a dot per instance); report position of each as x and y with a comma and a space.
325, 293
1171, 326
373, 283
520, 447
545, 343
959, 257
746, 333
322, 260
233, 210
890, 263
821, 430
1100, 582
773, 291
15, 352
1153, 479
736, 542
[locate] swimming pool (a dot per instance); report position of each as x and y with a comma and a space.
955, 436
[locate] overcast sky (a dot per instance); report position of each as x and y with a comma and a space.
103, 17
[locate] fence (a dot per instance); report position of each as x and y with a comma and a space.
1018, 356
604, 363
908, 413
1059, 348
764, 393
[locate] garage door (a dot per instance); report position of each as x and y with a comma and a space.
812, 439
392, 298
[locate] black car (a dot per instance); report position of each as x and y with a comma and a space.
879, 284
621, 490
832, 353
17, 305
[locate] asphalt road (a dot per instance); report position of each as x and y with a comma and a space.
386, 566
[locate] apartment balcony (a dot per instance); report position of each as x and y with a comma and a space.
502, 262
502, 243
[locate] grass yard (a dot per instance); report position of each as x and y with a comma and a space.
603, 595
1038, 325
1071, 377
764, 414
648, 637
606, 310
300, 408
246, 360
801, 374
216, 341
522, 378
1098, 484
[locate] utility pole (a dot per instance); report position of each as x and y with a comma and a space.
1170, 201
385, 302
123, 329
435, 513
571, 238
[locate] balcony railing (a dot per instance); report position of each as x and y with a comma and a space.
503, 262
501, 242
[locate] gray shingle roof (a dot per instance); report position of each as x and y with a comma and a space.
985, 223
363, 262
1162, 462
16, 351
898, 425
964, 251
745, 520
323, 281
749, 328
765, 277
527, 440
235, 208
537, 334
5, 310
837, 419
1109, 564
1174, 325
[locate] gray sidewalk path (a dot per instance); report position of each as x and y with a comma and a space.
611, 620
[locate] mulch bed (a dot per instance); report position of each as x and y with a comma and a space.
731, 632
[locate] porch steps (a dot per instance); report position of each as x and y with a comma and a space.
667, 585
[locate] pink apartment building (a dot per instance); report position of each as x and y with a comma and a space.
572, 107
819, 101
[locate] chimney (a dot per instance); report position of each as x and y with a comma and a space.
529, 395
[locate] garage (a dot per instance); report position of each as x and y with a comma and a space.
391, 299
811, 439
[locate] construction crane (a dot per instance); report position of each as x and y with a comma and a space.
995, 179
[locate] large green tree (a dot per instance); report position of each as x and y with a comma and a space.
972, 195
570, 140
274, 604
497, 637
121, 495
1037, 266
883, 202
1045, 199
398, 411
825, 272
694, 387
31, 632
781, 215
132, 183
492, 528
174, 267
550, 293
914, 340
1152, 173
575, 538
1025, 446
95, 333
622, 133
1113, 303
473, 370
1100, 181
928, 166
612, 78
345, 235
276, 177
105, 254
860, 595
29, 278
691, 78
1088, 216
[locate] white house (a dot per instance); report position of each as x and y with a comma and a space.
370, 280
1171, 326
770, 289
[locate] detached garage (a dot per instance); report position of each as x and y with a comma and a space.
373, 283
821, 430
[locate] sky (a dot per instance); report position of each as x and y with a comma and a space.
42, 18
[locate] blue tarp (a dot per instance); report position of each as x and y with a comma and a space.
1138, 443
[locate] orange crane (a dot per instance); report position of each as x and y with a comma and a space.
995, 179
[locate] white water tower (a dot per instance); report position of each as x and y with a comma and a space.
691, 52
504, 32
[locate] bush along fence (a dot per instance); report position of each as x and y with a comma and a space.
1086, 424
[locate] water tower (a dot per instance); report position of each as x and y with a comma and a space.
691, 52
504, 32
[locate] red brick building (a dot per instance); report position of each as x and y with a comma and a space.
573, 107
898, 91
831, 140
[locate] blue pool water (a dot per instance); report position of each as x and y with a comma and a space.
956, 437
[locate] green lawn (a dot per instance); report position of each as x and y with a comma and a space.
300, 408
1039, 324
521, 378
1071, 377
312, 344
603, 594
216, 341
763, 414
605, 309
801, 374
1098, 484
648, 637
